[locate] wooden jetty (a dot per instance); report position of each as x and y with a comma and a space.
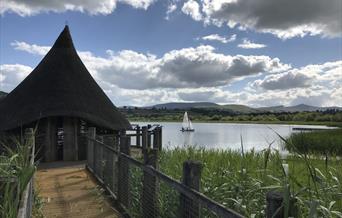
68, 190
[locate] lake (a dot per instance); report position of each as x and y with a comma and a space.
225, 135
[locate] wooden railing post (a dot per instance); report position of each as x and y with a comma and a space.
98, 157
160, 140
123, 183
90, 152
150, 207
144, 137
108, 168
138, 136
155, 138
149, 135
190, 208
274, 207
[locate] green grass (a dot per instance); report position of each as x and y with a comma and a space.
14, 163
240, 182
327, 142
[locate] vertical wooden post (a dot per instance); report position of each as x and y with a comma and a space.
90, 152
108, 161
144, 137
123, 183
160, 138
157, 138
150, 187
115, 171
149, 135
138, 136
50, 141
70, 151
29, 136
99, 158
274, 201
190, 208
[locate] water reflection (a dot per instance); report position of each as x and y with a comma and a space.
188, 138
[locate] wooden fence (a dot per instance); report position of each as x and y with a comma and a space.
139, 187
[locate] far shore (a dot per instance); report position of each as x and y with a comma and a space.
330, 124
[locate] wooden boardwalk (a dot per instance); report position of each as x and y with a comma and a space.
68, 191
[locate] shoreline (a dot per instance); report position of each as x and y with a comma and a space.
329, 124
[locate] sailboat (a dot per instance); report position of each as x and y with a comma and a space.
187, 125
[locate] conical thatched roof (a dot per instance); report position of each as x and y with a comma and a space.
60, 86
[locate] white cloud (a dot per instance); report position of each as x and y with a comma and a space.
170, 9
143, 4
247, 44
32, 49
188, 67
192, 8
216, 37
199, 74
33, 7
283, 18
11, 75
326, 75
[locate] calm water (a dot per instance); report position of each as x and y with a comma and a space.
225, 135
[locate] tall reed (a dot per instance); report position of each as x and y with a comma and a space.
16, 171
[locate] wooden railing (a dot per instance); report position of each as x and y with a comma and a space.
140, 188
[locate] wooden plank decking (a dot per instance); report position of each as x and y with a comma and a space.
68, 191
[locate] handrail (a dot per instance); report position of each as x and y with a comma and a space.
188, 192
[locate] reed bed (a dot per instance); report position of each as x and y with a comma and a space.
240, 180
327, 142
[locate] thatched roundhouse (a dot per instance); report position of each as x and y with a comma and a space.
60, 97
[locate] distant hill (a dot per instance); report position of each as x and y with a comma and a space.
180, 105
297, 108
240, 108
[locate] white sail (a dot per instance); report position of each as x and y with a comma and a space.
185, 123
190, 124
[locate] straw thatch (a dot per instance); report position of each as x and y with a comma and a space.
60, 86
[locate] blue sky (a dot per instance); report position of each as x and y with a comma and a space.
205, 50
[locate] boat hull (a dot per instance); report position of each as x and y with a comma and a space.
187, 130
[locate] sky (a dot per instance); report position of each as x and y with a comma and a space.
145, 52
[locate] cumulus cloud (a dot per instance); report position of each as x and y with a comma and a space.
216, 37
32, 49
285, 80
192, 8
327, 74
200, 66
199, 74
11, 75
33, 7
283, 18
247, 44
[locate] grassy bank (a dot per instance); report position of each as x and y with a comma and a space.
241, 181
317, 142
